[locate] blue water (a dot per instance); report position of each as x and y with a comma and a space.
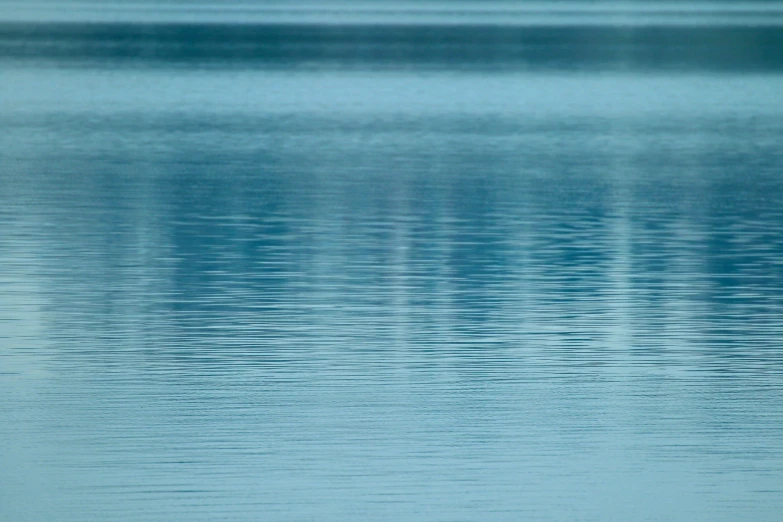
412, 271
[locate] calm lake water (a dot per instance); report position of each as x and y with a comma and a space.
443, 264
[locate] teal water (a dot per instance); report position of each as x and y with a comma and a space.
299, 272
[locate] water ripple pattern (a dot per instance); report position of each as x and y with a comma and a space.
347, 292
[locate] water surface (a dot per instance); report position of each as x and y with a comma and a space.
362, 273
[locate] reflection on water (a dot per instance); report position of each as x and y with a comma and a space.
412, 294
435, 45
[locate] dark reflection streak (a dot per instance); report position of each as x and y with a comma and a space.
649, 47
